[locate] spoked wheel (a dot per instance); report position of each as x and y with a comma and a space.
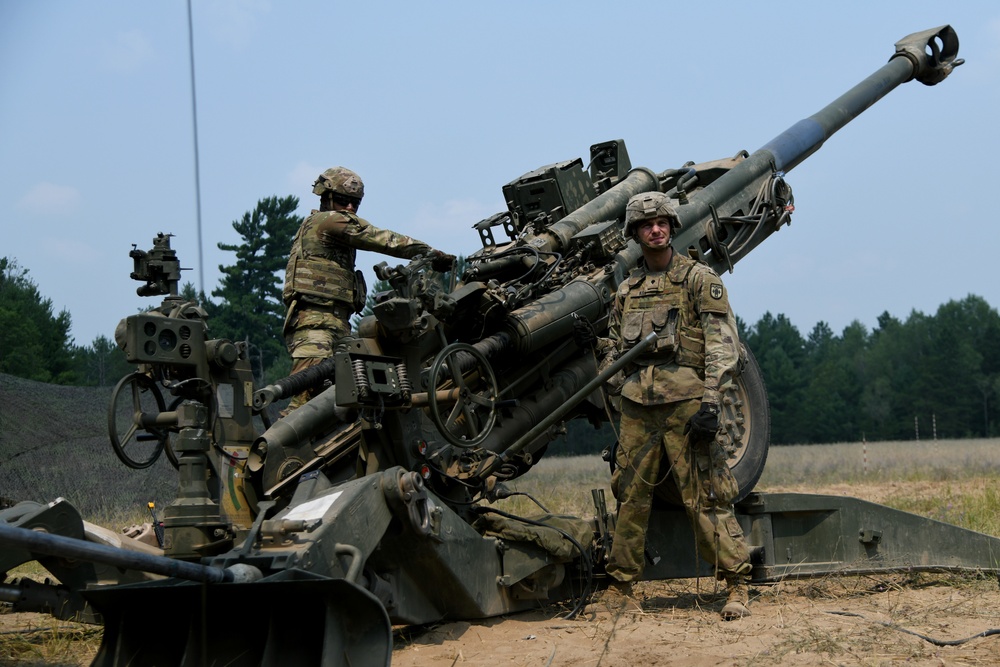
745, 417
136, 399
471, 418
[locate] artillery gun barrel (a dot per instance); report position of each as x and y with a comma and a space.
67, 547
928, 56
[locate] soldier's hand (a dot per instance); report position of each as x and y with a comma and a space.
704, 424
442, 261
583, 332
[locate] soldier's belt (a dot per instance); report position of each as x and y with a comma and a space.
339, 311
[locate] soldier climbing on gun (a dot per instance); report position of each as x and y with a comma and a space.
322, 288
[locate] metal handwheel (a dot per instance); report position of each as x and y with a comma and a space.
472, 417
135, 401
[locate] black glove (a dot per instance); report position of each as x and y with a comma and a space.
442, 261
704, 424
583, 332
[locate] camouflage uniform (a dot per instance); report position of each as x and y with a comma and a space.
694, 357
320, 287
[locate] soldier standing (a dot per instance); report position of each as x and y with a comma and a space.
322, 288
670, 402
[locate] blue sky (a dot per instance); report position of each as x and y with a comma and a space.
438, 105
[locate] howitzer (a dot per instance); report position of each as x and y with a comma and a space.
372, 501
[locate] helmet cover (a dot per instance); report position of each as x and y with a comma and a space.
340, 180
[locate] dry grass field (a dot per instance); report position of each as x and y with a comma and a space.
957, 481
830, 621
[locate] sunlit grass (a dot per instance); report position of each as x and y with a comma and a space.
872, 462
49, 641
976, 507
955, 481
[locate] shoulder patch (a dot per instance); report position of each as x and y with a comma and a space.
711, 293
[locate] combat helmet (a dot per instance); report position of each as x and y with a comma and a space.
646, 206
340, 180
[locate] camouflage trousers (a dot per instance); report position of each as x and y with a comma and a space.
312, 335
647, 434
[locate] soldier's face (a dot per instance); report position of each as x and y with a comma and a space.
339, 202
655, 233
334, 201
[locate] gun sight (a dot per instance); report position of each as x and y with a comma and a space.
159, 268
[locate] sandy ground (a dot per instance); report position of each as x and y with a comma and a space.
868, 621
839, 621
830, 621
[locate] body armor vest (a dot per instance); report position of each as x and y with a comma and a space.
319, 273
664, 303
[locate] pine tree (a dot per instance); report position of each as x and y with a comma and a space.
34, 343
250, 291
101, 364
780, 352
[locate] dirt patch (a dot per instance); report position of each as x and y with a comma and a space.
841, 621
865, 621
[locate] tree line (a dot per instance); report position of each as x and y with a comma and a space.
926, 375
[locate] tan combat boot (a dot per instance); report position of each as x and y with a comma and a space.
620, 597
738, 600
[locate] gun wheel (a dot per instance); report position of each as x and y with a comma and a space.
135, 399
747, 415
471, 418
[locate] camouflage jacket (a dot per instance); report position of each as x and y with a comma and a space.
320, 267
697, 349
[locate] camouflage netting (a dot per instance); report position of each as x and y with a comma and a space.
54, 443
